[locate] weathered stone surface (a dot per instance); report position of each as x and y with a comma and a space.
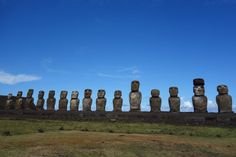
117, 101
200, 103
223, 100
199, 90
9, 102
174, 100
19, 101
135, 97
87, 100
155, 93
174, 91
199, 99
155, 101
74, 102
40, 102
29, 102
51, 101
63, 102
101, 100
198, 82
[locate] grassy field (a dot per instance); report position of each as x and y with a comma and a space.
48, 138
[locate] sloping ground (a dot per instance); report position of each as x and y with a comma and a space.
35, 138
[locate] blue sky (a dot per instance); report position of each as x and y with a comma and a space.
78, 44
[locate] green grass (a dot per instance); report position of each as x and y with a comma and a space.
17, 127
53, 138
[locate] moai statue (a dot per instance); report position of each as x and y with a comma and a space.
117, 101
41, 101
63, 101
19, 101
87, 100
51, 101
155, 101
174, 100
199, 99
101, 100
74, 102
135, 97
29, 102
9, 102
223, 100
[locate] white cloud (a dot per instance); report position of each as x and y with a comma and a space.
127, 72
11, 79
212, 106
186, 105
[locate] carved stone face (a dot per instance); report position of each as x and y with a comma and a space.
30, 93
173, 91
19, 94
135, 86
9, 96
222, 89
74, 94
117, 94
63, 94
101, 93
51, 94
87, 93
199, 90
198, 82
155, 93
41, 94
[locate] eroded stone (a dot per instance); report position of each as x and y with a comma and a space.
101, 100
117, 101
63, 102
135, 97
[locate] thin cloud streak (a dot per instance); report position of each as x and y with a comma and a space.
129, 72
11, 79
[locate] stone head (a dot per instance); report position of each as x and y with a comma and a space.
222, 89
135, 86
101, 93
19, 94
30, 93
74, 94
117, 94
87, 93
198, 82
199, 90
9, 96
51, 94
41, 94
155, 93
63, 94
173, 91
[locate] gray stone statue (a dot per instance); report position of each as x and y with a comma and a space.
174, 100
135, 97
117, 101
51, 101
29, 102
40, 102
74, 102
155, 101
9, 102
101, 100
19, 101
223, 100
87, 100
199, 99
63, 101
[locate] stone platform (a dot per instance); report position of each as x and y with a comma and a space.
182, 118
